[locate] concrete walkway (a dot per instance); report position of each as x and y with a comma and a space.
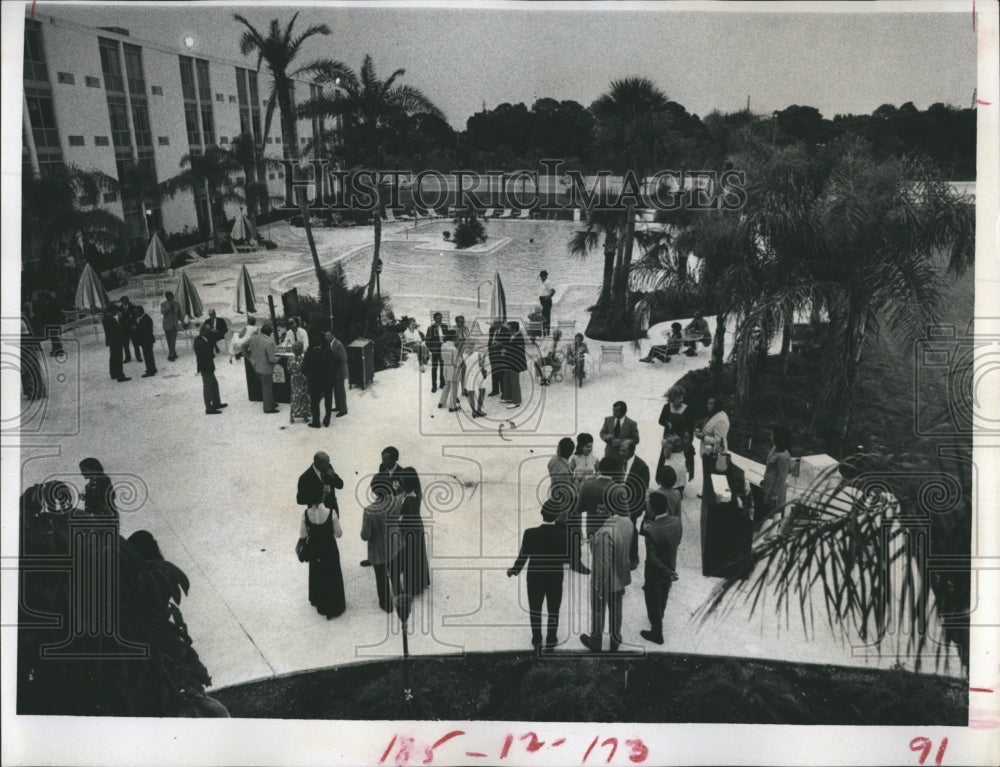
219, 495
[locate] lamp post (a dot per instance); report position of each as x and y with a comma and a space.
403, 604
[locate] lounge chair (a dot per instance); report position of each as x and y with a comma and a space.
489, 212
523, 215
507, 213
611, 355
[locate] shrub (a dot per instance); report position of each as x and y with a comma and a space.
469, 229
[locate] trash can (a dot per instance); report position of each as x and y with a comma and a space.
360, 363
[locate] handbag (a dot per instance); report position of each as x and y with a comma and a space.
302, 549
722, 462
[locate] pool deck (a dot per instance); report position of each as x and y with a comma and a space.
219, 495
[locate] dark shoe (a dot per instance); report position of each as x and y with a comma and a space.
582, 569
314, 426
513, 405
649, 636
326, 420
613, 647
221, 405
434, 389
148, 375
273, 410
550, 645
452, 409
341, 413
480, 413
213, 411
645, 359
123, 378
585, 641
493, 394
536, 642
366, 563
440, 404
138, 359
691, 353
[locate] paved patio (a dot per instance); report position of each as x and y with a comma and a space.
219, 495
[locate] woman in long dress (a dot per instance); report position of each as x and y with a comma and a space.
413, 557
299, 386
774, 486
675, 418
321, 526
713, 441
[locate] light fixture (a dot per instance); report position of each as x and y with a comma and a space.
189, 42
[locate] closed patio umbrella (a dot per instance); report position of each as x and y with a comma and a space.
498, 301
156, 255
187, 296
243, 229
246, 301
90, 293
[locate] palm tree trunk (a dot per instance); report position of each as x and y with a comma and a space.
373, 275
786, 346
610, 252
718, 349
620, 290
213, 230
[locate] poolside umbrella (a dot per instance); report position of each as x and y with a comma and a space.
90, 293
243, 229
156, 255
246, 301
187, 296
498, 301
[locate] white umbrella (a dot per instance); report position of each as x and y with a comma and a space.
246, 300
187, 296
498, 301
243, 228
156, 255
90, 293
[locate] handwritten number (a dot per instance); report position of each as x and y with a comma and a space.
506, 746
535, 743
429, 752
638, 753
385, 754
924, 745
590, 748
940, 754
614, 748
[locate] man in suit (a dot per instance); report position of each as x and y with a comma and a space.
435, 336
545, 549
318, 483
600, 496
173, 320
143, 336
494, 345
296, 334
128, 317
318, 365
339, 374
609, 576
113, 339
219, 328
663, 531
635, 477
206, 369
391, 474
618, 427
261, 353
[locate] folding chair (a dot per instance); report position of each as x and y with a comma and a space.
507, 213
611, 354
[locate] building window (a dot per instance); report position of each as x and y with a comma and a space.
120, 134
75, 140
268, 140
270, 176
281, 174
34, 53
207, 125
163, 140
191, 122
223, 140
92, 82
133, 70
239, 180
156, 90
110, 196
42, 117
66, 78
187, 78
101, 141
232, 99
220, 97
111, 65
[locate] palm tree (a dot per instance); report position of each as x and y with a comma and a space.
279, 49
137, 183
373, 113
609, 224
53, 222
210, 171
632, 129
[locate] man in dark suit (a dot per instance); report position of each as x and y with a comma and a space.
127, 316
318, 366
601, 496
494, 345
219, 328
546, 549
392, 475
206, 369
618, 427
143, 335
113, 339
339, 374
434, 338
635, 477
318, 483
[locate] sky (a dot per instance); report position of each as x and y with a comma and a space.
461, 57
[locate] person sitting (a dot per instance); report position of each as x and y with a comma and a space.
413, 341
548, 358
696, 330
576, 356
665, 351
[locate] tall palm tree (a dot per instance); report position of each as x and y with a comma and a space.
632, 129
278, 49
609, 224
54, 223
373, 114
210, 171
137, 183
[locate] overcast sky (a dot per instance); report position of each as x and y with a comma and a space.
705, 60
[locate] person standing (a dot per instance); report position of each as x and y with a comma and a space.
416, 574
261, 351
477, 373
380, 529
515, 363
48, 321
545, 550
99, 497
128, 318
774, 486
143, 335
339, 374
677, 414
583, 462
206, 369
173, 320
296, 334
219, 328
448, 354
635, 476
617, 428
321, 527
113, 339
610, 574
562, 486
299, 401
545, 293
662, 529
435, 338
318, 364
713, 437
494, 346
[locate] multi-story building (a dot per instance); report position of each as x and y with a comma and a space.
102, 100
